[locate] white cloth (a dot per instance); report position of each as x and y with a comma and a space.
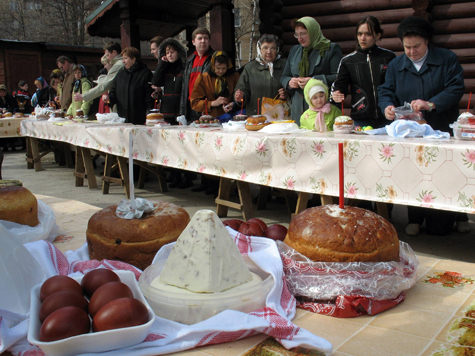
408, 128
167, 336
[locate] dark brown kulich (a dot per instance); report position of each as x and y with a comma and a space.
134, 241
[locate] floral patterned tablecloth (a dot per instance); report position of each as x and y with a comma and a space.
10, 127
414, 171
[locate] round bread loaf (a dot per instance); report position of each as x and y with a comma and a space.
19, 205
331, 234
134, 241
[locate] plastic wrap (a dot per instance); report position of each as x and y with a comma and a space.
321, 281
405, 112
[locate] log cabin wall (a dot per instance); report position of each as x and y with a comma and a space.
453, 21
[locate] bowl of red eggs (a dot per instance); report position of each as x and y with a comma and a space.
100, 311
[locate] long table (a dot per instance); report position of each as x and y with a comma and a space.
10, 127
431, 173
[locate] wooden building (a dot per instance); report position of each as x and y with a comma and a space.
453, 21
30, 60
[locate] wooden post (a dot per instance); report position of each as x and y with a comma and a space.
129, 29
222, 27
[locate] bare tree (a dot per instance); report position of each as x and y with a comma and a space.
59, 21
245, 16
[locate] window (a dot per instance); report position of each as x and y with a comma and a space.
237, 17
14, 6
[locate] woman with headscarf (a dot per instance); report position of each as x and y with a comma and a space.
431, 79
315, 57
213, 90
44, 93
81, 85
261, 77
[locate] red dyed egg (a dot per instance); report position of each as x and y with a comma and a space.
63, 323
120, 313
96, 278
106, 293
59, 283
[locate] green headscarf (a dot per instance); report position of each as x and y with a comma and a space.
317, 41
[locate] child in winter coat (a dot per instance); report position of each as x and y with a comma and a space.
22, 98
80, 85
213, 90
320, 115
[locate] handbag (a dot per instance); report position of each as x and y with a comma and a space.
275, 109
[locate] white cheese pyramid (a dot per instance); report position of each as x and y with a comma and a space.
205, 258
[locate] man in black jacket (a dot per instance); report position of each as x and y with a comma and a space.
363, 71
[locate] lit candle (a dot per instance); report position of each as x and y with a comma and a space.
242, 103
206, 106
341, 173
258, 105
469, 98
131, 172
155, 106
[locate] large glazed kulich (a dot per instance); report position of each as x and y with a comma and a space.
19, 205
134, 241
331, 234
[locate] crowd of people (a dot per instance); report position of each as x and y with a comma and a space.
314, 79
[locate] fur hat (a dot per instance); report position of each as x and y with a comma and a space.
415, 26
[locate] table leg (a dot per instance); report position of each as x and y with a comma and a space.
124, 172
222, 200
29, 154
383, 210
79, 170
67, 155
107, 173
328, 199
302, 202
35, 154
87, 159
246, 199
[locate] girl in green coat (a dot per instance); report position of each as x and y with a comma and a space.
320, 115
80, 85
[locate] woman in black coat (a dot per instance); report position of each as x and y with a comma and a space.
169, 74
131, 89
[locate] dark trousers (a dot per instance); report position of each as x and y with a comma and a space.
438, 222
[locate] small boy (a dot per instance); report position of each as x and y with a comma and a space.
320, 115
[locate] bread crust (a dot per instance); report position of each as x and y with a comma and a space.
134, 241
330, 234
19, 205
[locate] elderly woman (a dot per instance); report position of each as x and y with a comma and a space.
363, 71
261, 77
213, 90
316, 57
431, 79
131, 90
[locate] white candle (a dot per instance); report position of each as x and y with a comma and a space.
131, 172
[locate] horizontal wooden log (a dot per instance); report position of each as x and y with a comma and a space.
470, 86
347, 20
271, 19
278, 6
344, 33
451, 26
424, 5
453, 11
301, 2
343, 7
468, 70
465, 55
458, 40
271, 29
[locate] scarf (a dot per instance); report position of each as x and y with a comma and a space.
261, 61
317, 41
320, 124
77, 82
220, 84
133, 67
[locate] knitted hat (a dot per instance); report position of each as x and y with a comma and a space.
316, 89
416, 25
3, 87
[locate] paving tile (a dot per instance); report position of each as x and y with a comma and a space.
373, 341
407, 319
